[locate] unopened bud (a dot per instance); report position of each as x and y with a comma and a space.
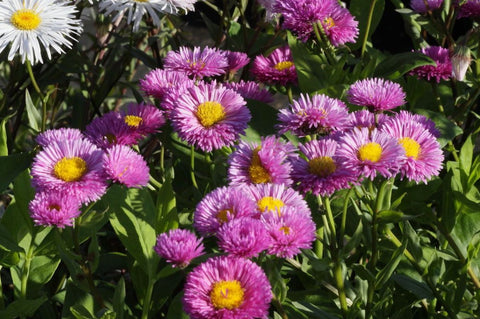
460, 62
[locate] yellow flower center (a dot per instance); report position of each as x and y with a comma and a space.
227, 294
70, 169
322, 166
258, 173
25, 19
280, 66
222, 215
133, 120
270, 203
370, 152
285, 229
210, 113
328, 23
412, 148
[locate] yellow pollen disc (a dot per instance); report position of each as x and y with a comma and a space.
270, 203
322, 166
133, 120
25, 19
280, 66
370, 152
328, 23
222, 215
70, 169
285, 229
54, 206
227, 294
258, 174
209, 113
412, 148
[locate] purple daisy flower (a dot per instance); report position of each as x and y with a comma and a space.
257, 164
321, 171
228, 288
125, 166
143, 118
243, 237
365, 118
277, 68
471, 8
319, 114
423, 152
289, 232
210, 116
72, 167
220, 206
236, 60
443, 69
340, 26
419, 5
158, 82
52, 136
179, 247
171, 96
54, 209
111, 129
369, 152
376, 94
428, 124
250, 90
197, 63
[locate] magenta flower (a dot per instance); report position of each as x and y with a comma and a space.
319, 114
171, 96
243, 237
428, 124
125, 166
250, 90
258, 164
111, 129
179, 247
227, 287
340, 26
54, 209
71, 167
210, 116
158, 82
143, 119
61, 134
376, 94
471, 8
443, 69
197, 63
419, 5
277, 68
365, 118
236, 60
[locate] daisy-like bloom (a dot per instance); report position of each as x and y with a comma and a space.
340, 26
61, 134
171, 96
243, 237
125, 166
197, 63
258, 164
143, 118
289, 232
236, 60
33, 26
419, 5
369, 152
319, 114
376, 94
443, 69
210, 116
54, 209
111, 129
277, 68
428, 124
365, 118
229, 288
471, 8
179, 247
321, 171
423, 152
250, 90
221, 206
72, 167
158, 82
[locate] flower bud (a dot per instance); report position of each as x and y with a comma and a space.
460, 62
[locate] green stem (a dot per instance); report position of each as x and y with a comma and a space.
319, 243
331, 222
341, 287
324, 43
42, 97
26, 271
148, 298
344, 217
192, 167
367, 29
289, 94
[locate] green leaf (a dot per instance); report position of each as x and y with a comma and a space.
360, 9
419, 289
80, 301
399, 64
311, 310
262, 123
3, 137
22, 308
34, 117
384, 275
167, 216
466, 226
11, 166
448, 129
466, 155
390, 216
175, 310
119, 298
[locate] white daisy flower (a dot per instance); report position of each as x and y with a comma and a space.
30, 25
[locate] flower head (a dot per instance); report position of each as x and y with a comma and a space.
419, 5
443, 69
158, 82
236, 60
250, 90
277, 68
142, 118
227, 287
365, 118
428, 124
54, 209
376, 94
111, 129
197, 63
61, 134
124, 165
340, 26
471, 8
179, 247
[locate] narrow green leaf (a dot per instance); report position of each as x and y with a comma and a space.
11, 166
466, 155
119, 298
384, 275
167, 216
3, 137
22, 308
419, 289
175, 311
34, 117
360, 9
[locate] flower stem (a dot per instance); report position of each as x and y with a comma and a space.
324, 43
42, 97
367, 29
148, 298
192, 167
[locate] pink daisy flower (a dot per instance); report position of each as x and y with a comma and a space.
250, 90
277, 68
197, 63
179, 247
365, 118
257, 164
236, 60
227, 287
158, 82
443, 69
471, 8
243, 237
111, 129
319, 114
419, 5
171, 96
71, 167
210, 116
340, 26
289, 232
125, 166
321, 171
371, 152
405, 116
376, 94
221, 206
54, 209
61, 134
143, 118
